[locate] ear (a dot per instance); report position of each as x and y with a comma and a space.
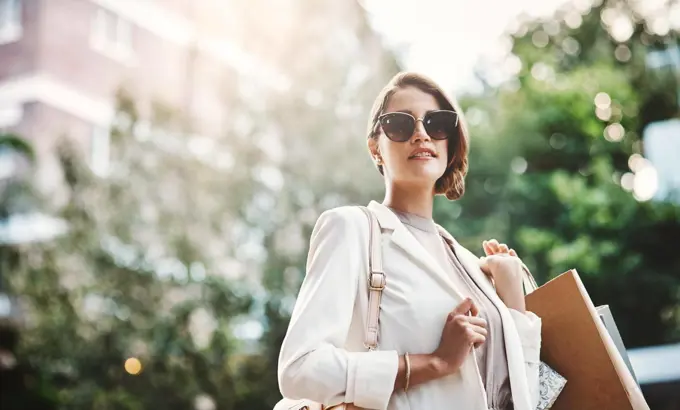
373, 149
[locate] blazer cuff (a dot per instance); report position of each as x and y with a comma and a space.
529, 328
372, 375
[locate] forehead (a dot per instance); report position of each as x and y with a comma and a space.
413, 100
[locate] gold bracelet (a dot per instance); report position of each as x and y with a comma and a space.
408, 371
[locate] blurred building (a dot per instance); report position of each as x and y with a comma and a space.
662, 148
63, 61
662, 138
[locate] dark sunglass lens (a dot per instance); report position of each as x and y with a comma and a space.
398, 126
440, 124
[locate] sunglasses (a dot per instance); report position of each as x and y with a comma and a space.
399, 126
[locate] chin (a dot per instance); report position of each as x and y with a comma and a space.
427, 175
421, 179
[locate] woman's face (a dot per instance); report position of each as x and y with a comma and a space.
420, 161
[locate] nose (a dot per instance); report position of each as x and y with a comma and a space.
419, 133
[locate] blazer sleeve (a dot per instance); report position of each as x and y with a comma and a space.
312, 363
529, 328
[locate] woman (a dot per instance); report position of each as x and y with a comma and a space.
454, 333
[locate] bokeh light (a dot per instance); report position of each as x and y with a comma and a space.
133, 366
603, 114
571, 46
660, 25
622, 53
573, 20
519, 165
627, 180
542, 72
614, 132
619, 24
636, 162
602, 100
204, 402
558, 141
540, 39
646, 183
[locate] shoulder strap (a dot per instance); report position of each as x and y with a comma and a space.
528, 281
376, 280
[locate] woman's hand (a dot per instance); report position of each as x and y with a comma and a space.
462, 331
506, 270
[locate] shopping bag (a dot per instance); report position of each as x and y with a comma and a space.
576, 343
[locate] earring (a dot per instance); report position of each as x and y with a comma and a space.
378, 160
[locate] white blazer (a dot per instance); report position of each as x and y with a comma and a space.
322, 356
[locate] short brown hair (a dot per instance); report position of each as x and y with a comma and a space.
452, 183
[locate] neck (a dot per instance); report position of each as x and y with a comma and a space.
418, 201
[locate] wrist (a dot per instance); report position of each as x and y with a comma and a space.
514, 300
438, 366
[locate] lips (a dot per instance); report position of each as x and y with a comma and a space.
422, 153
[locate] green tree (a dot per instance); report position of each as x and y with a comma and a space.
140, 274
316, 151
551, 161
21, 384
186, 238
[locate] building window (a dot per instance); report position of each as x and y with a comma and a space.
112, 35
99, 150
10, 116
10, 21
8, 163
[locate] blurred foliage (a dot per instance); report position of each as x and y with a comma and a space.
545, 179
172, 255
17, 144
130, 278
16, 194
186, 242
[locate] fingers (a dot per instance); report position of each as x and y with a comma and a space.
474, 327
479, 330
487, 248
492, 247
473, 310
475, 338
476, 321
465, 307
476, 331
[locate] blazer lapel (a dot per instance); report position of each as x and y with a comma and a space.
471, 264
401, 237
513, 346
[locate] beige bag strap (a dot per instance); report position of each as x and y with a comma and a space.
376, 279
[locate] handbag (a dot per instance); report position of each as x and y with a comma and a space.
550, 382
376, 284
579, 343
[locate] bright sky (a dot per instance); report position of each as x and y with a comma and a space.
445, 38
